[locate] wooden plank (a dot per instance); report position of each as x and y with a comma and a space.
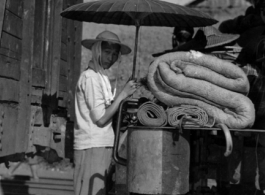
61, 94
2, 13
47, 52
24, 115
11, 43
58, 6
39, 33
77, 66
36, 91
15, 7
9, 68
63, 68
70, 62
39, 117
36, 99
64, 52
56, 52
38, 77
64, 4
10, 54
8, 117
13, 24
62, 102
36, 95
63, 83
9, 90
64, 31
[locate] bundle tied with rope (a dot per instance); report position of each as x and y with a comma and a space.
216, 86
151, 114
188, 115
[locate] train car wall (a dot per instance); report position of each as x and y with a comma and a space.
40, 56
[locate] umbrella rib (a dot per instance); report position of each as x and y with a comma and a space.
93, 3
102, 5
160, 6
112, 6
149, 5
125, 5
78, 6
73, 6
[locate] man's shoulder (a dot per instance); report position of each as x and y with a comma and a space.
89, 73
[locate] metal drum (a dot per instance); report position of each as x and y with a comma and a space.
157, 161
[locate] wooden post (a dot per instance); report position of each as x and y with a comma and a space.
24, 115
2, 14
56, 51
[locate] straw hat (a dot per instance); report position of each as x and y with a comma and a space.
108, 37
205, 38
215, 38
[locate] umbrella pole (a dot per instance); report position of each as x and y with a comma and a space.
135, 50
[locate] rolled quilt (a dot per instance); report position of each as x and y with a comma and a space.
151, 114
194, 116
192, 78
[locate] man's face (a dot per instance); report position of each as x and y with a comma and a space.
109, 54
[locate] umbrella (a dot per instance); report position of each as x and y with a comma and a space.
137, 13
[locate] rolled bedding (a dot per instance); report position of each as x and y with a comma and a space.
151, 114
193, 116
196, 79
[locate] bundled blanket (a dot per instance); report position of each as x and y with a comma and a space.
215, 85
193, 116
151, 114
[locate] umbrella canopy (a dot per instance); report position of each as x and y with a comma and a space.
138, 13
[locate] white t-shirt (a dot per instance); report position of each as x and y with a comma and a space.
89, 108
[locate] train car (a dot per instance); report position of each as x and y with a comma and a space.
40, 56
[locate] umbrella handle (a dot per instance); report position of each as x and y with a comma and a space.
137, 25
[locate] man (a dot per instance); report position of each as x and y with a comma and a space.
94, 108
181, 35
